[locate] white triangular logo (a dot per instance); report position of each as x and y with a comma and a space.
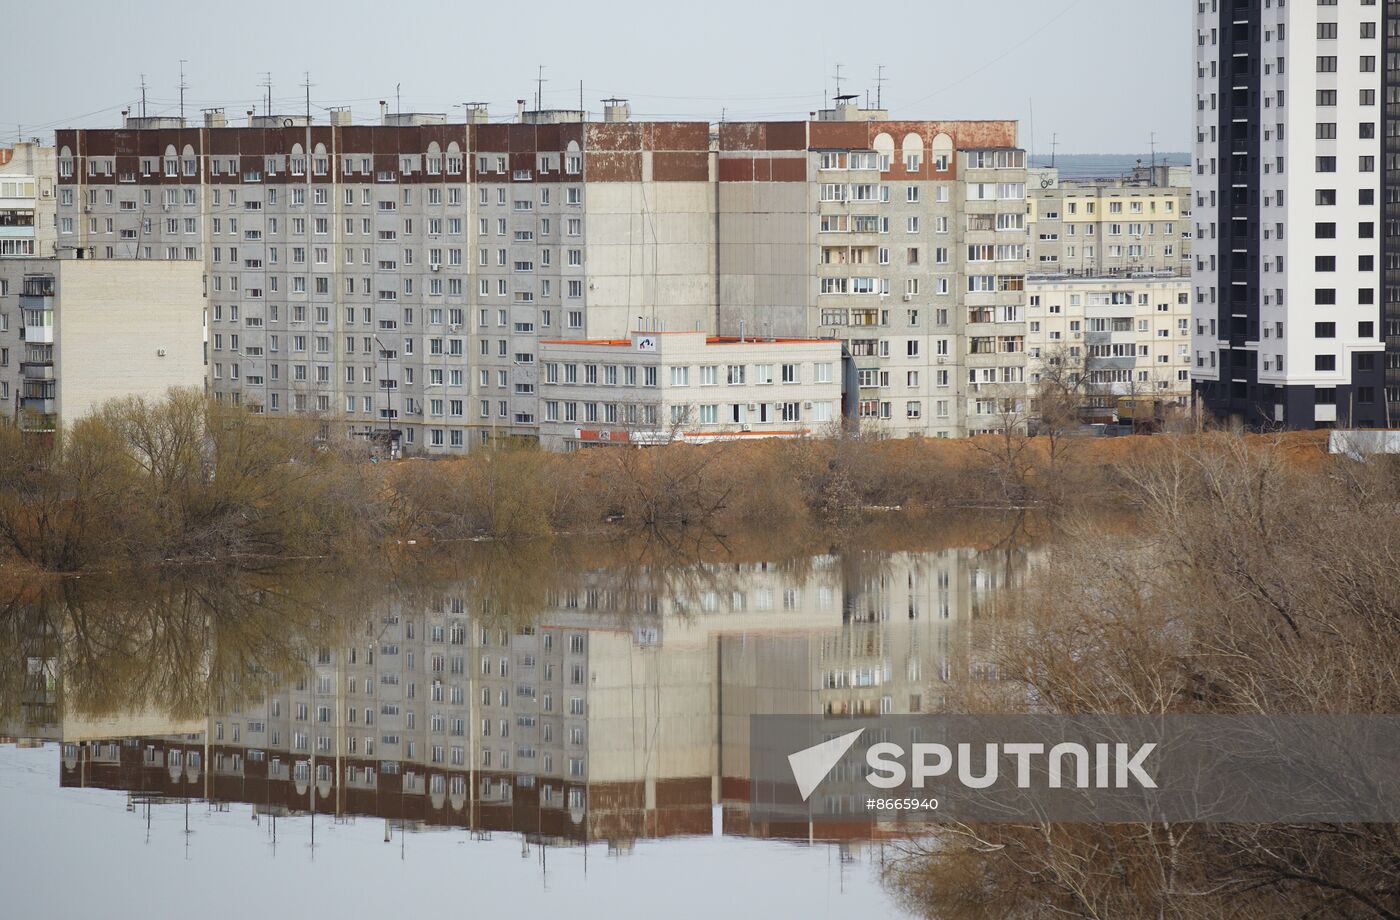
811, 765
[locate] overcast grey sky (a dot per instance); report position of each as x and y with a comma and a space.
1102, 74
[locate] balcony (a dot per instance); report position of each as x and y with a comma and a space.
37, 422
36, 370
38, 327
40, 405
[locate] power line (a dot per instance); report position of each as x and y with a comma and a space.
1010, 49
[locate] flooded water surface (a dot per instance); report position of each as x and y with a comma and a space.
548, 727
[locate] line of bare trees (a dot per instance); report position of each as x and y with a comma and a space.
1254, 584
184, 479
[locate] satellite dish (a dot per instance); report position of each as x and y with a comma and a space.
1046, 182
287, 123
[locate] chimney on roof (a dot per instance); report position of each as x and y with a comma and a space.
520, 110
383, 112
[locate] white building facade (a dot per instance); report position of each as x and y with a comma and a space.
1124, 336
1291, 311
659, 387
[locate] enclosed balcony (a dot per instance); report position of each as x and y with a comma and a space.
38, 324
40, 397
37, 370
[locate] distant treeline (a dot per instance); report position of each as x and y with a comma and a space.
183, 479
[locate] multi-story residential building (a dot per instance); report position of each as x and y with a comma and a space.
75, 333
27, 201
1103, 227
399, 276
1294, 323
905, 239
655, 387
1122, 336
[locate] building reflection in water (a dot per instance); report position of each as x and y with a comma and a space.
620, 711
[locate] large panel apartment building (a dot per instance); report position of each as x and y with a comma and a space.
906, 239
1297, 209
400, 276
1131, 225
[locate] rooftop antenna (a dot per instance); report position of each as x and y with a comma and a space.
267, 84
143, 95
879, 85
398, 99
838, 81
1152, 140
307, 84
1031, 103
1054, 142
183, 86
539, 89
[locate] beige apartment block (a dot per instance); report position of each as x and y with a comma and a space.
1128, 336
1106, 227
658, 387
397, 276
905, 239
400, 276
28, 221
75, 333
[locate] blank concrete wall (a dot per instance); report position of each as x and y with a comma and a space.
113, 318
